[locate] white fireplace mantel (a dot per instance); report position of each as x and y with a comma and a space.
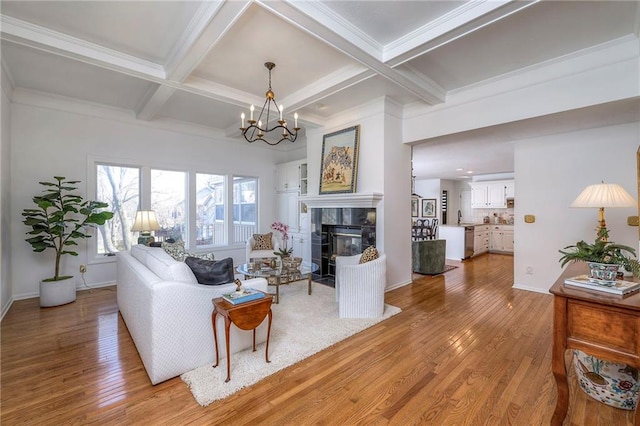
359, 199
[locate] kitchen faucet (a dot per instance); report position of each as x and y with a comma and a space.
459, 216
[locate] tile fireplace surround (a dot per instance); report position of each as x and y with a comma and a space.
341, 224
339, 232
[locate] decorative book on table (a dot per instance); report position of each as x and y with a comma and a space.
620, 287
246, 295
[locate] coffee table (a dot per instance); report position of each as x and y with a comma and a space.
279, 276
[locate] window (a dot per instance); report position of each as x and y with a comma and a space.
244, 208
168, 200
202, 209
120, 187
210, 211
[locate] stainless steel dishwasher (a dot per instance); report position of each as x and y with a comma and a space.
469, 232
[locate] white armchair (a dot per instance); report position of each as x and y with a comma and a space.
253, 254
360, 287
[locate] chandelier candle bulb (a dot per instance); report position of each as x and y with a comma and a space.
242, 120
281, 109
295, 120
251, 108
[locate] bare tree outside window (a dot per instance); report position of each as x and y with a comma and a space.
168, 200
119, 187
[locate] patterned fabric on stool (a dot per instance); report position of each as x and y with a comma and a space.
611, 383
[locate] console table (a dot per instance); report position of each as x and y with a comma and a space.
601, 324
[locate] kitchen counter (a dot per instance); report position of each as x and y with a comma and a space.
454, 235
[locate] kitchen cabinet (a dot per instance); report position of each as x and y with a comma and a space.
511, 189
481, 239
490, 195
501, 238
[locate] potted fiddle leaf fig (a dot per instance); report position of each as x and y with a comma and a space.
603, 257
58, 221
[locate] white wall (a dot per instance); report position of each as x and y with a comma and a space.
47, 142
5, 199
550, 172
428, 188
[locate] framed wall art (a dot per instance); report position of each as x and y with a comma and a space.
415, 208
339, 167
429, 207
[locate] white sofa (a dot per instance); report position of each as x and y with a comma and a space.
168, 314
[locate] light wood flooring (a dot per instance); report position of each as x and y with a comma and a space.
466, 350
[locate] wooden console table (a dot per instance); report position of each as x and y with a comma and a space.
246, 316
601, 324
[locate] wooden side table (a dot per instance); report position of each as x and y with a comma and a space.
604, 325
245, 316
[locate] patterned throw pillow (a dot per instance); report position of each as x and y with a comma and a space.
369, 254
175, 250
263, 241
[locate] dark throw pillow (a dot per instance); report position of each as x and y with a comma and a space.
211, 272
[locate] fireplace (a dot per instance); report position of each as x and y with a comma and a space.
339, 232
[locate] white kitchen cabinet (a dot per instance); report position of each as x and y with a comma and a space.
489, 195
501, 238
511, 189
288, 212
481, 239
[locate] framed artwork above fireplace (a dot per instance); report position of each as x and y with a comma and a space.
339, 167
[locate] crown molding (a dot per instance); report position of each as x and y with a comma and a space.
37, 37
602, 55
8, 84
334, 22
457, 23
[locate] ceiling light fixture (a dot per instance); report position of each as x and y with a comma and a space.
255, 131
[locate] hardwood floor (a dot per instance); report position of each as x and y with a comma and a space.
466, 350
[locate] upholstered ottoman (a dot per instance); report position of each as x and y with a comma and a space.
608, 382
428, 257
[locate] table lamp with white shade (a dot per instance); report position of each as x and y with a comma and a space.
146, 222
603, 195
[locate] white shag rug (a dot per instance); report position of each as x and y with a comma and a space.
302, 325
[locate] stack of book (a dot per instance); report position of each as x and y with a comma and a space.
620, 287
243, 296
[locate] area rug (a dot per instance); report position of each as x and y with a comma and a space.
302, 325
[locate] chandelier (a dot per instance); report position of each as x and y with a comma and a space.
256, 132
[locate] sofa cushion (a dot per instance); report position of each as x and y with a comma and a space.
167, 268
369, 254
211, 272
263, 241
139, 252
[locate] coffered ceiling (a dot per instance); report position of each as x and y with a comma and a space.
202, 62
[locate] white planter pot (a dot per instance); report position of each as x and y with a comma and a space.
56, 293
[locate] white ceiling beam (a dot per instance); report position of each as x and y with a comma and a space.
458, 23
319, 21
326, 86
208, 26
26, 34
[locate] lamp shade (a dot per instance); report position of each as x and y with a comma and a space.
146, 221
604, 195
